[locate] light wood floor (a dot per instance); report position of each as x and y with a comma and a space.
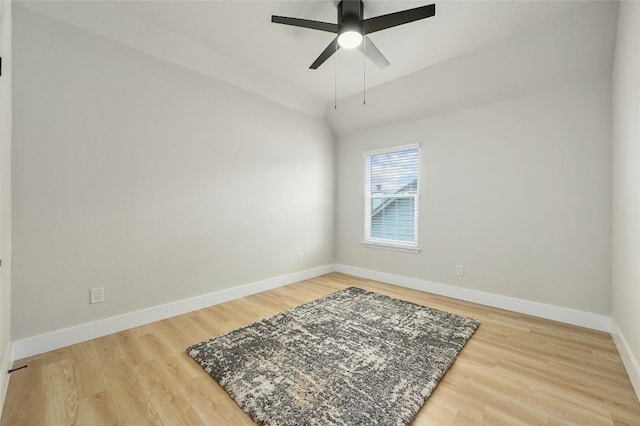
516, 369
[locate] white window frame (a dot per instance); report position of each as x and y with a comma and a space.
396, 245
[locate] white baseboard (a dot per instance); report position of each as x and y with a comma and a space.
628, 358
7, 362
68, 336
556, 313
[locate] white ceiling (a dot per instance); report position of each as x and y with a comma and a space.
576, 49
242, 30
235, 40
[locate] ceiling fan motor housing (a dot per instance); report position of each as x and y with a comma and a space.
350, 16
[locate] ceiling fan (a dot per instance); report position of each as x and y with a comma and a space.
351, 28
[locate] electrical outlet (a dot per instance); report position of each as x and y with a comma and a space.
300, 257
96, 295
460, 270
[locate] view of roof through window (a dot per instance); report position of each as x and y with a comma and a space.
394, 172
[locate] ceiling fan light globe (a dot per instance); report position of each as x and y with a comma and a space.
350, 39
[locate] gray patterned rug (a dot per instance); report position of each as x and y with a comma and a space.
350, 358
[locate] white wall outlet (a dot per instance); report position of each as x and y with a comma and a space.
460, 270
300, 257
96, 295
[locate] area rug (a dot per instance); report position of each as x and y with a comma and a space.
350, 358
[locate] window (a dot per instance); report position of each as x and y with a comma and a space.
391, 198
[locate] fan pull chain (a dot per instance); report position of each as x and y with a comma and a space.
364, 71
335, 79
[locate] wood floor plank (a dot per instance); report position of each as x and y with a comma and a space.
515, 370
59, 389
26, 391
98, 409
89, 381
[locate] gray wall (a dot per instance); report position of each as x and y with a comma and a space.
150, 180
517, 191
626, 178
5, 188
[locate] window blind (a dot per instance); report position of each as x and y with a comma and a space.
391, 197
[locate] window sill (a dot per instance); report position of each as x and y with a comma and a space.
392, 247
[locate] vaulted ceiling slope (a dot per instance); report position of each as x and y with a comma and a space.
470, 53
574, 48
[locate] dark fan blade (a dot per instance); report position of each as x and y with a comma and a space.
326, 53
306, 23
372, 52
383, 22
